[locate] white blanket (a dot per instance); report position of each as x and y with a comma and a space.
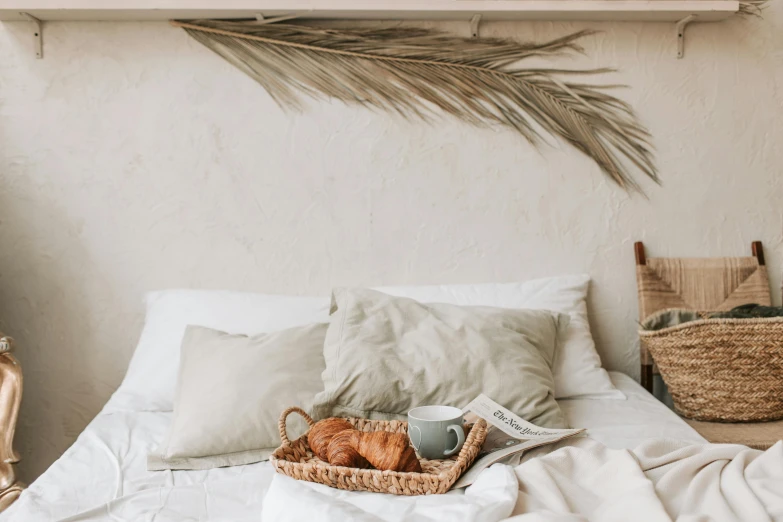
104, 477
658, 481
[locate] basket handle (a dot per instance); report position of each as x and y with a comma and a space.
284, 415
463, 454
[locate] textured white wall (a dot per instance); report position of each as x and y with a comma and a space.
133, 159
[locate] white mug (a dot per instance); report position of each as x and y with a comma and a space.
436, 431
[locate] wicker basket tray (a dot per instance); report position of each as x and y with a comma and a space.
295, 459
724, 370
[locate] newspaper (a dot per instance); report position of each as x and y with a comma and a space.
507, 434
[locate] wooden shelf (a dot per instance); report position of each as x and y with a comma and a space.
593, 10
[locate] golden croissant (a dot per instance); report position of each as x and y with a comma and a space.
341, 451
321, 434
383, 449
336, 441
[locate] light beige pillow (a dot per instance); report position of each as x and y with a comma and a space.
385, 355
230, 393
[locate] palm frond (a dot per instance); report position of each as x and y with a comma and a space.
752, 7
416, 72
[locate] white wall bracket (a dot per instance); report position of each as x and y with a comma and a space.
38, 34
474, 25
681, 27
261, 19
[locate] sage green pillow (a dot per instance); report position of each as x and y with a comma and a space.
385, 355
230, 393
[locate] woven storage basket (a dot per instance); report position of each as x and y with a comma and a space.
725, 370
297, 461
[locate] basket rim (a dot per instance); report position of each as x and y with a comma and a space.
481, 424
705, 322
319, 464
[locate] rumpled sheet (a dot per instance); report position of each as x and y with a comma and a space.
104, 477
660, 481
657, 481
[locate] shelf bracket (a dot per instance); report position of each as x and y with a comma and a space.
681, 26
38, 34
261, 19
474, 25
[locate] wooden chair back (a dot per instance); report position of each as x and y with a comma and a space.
706, 284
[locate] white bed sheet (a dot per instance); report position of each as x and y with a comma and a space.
103, 475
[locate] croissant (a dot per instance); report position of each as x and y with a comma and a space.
383, 449
342, 452
322, 432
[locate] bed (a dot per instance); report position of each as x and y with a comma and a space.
636, 461
103, 476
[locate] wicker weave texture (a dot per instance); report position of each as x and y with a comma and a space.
717, 284
725, 370
294, 459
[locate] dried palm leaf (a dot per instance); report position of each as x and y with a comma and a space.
752, 7
413, 71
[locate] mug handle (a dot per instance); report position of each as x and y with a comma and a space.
410, 436
460, 432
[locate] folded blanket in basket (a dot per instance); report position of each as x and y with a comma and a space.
675, 316
749, 311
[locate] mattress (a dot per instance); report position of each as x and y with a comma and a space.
103, 476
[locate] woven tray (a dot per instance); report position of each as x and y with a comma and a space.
296, 460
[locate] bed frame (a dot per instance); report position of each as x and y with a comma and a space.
10, 399
714, 284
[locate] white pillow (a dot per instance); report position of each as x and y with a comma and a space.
152, 375
231, 390
577, 366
